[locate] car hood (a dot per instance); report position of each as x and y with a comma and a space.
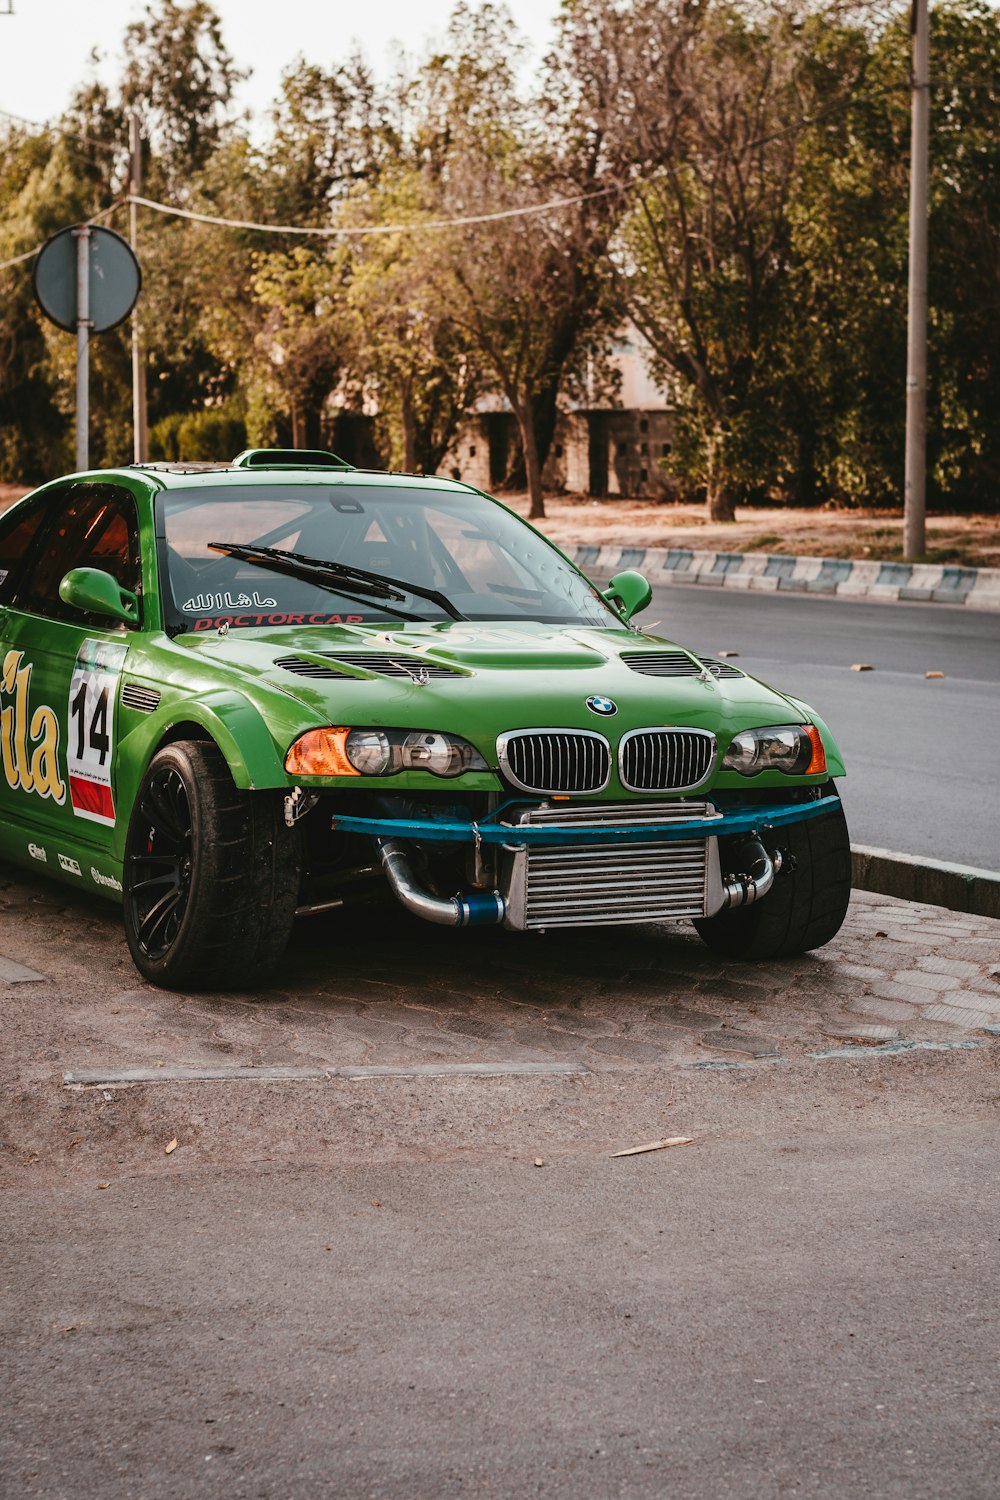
481, 679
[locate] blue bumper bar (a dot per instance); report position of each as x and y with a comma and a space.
750, 820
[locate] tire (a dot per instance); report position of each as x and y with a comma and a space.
211, 874
804, 908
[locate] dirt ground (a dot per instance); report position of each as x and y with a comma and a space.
971, 541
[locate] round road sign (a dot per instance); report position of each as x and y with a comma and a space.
115, 278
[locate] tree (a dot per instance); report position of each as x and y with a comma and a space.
718, 102
841, 355
844, 350
304, 336
417, 367
49, 180
529, 292
964, 290
330, 133
509, 289
180, 78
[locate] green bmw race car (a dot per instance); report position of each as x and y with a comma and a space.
234, 694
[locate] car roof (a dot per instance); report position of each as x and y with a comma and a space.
263, 466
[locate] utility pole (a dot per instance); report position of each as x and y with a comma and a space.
915, 481
140, 450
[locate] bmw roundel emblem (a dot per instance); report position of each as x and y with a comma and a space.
605, 706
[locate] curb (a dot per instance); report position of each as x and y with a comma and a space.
928, 881
919, 583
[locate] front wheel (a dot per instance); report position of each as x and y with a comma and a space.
807, 903
211, 874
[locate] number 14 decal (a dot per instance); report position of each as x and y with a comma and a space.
89, 751
98, 738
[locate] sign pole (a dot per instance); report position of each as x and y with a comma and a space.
915, 479
82, 236
139, 442
86, 280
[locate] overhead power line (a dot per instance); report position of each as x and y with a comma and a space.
525, 211
330, 232
357, 232
69, 135
363, 231
105, 213
5, 265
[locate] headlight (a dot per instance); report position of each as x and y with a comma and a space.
369, 752
796, 749
381, 752
439, 754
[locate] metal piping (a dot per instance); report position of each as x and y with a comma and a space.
744, 890
478, 909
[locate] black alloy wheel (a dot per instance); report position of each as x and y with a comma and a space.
158, 871
211, 873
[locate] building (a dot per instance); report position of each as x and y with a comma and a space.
598, 448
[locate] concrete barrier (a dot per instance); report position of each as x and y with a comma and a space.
917, 583
931, 881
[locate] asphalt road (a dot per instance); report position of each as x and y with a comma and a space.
789, 1314
922, 754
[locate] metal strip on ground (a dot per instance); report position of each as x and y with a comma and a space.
895, 1049
123, 1077
459, 1070
12, 972
110, 1077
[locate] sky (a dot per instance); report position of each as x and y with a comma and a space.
45, 44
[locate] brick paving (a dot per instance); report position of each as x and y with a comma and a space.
381, 988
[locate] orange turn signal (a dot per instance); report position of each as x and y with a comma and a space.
320, 752
817, 764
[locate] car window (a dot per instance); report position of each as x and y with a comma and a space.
483, 559
95, 527
17, 532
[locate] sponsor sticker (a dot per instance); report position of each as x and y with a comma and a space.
37, 852
29, 741
69, 865
215, 622
93, 690
106, 880
202, 602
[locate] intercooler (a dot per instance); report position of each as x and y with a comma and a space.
567, 885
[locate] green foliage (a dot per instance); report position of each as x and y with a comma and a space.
741, 176
180, 78
210, 436
964, 373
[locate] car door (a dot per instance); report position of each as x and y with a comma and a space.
60, 673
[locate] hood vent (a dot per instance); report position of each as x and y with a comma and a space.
720, 668
676, 664
416, 668
662, 663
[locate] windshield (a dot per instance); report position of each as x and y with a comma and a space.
476, 556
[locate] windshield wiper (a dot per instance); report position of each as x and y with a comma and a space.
334, 576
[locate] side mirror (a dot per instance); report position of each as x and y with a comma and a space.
97, 592
628, 593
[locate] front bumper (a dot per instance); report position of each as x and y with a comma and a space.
737, 818
558, 864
